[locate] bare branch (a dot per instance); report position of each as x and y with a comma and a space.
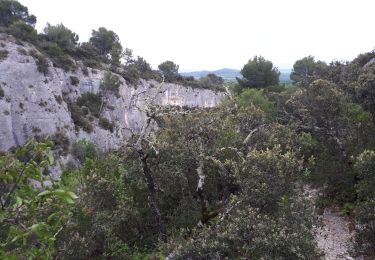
247, 139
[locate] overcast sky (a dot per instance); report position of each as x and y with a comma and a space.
214, 34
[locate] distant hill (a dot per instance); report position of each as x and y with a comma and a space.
226, 74
231, 74
285, 75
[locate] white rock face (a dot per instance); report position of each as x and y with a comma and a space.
33, 103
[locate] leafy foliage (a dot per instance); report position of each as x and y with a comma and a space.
211, 81
169, 69
41, 62
255, 97
62, 36
23, 31
191, 183
78, 116
84, 149
89, 55
365, 168
3, 55
31, 217
104, 40
258, 73
306, 70
106, 124
110, 84
90, 101
2, 94
341, 129
12, 11
74, 80
112, 218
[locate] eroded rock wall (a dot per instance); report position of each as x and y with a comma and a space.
35, 104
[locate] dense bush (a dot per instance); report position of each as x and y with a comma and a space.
258, 73
255, 97
248, 234
91, 101
341, 130
3, 55
74, 80
78, 117
136, 69
112, 218
211, 81
58, 56
62, 36
365, 235
61, 141
110, 84
2, 94
23, 31
12, 11
306, 70
364, 90
169, 70
104, 40
41, 62
89, 55
106, 124
31, 217
83, 150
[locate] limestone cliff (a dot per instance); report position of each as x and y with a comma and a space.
35, 104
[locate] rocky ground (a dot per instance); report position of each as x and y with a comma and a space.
334, 236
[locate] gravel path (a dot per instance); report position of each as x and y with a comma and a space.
334, 237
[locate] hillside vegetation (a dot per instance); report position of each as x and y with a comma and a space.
230, 75
226, 182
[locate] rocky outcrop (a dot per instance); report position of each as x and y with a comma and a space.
35, 104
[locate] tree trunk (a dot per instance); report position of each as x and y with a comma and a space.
152, 196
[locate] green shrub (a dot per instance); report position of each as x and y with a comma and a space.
85, 70
365, 210
3, 55
89, 55
61, 140
131, 75
2, 94
110, 84
347, 208
356, 113
249, 234
84, 149
105, 124
36, 130
22, 51
78, 117
23, 31
74, 80
58, 57
41, 62
169, 70
276, 88
31, 217
62, 36
13, 11
91, 101
211, 81
111, 219
256, 98
59, 99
